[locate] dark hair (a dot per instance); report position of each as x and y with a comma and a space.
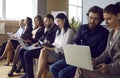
63, 17
29, 23
28, 30
118, 6
112, 8
39, 17
96, 9
50, 16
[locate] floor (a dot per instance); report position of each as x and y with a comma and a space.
5, 69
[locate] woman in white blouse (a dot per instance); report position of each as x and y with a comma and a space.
64, 35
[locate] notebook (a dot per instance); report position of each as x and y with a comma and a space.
78, 55
27, 47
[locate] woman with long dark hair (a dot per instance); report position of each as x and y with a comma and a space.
13, 43
36, 35
64, 35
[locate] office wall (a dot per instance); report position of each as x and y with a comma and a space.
89, 3
10, 26
46, 6
57, 5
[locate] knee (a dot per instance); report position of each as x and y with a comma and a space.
21, 52
43, 52
61, 74
27, 54
52, 68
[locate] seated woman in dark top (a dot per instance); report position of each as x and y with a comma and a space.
27, 56
36, 35
19, 32
13, 43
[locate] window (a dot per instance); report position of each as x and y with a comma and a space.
75, 9
19, 9
0, 9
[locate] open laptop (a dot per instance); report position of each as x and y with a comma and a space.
78, 55
27, 47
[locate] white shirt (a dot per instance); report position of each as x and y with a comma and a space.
63, 38
20, 31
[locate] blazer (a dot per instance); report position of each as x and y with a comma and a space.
27, 33
38, 35
112, 53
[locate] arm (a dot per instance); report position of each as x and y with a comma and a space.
78, 36
114, 68
69, 36
102, 57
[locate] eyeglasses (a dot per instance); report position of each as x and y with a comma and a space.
95, 19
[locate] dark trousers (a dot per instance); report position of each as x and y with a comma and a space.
26, 57
2, 48
62, 70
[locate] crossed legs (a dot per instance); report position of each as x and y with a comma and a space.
8, 52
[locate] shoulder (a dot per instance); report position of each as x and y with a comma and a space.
40, 29
55, 27
70, 30
83, 26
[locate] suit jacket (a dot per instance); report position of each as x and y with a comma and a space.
38, 35
27, 33
112, 53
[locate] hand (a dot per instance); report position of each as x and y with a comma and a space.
35, 44
27, 40
46, 41
14, 37
102, 68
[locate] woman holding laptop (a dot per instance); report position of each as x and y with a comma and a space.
112, 52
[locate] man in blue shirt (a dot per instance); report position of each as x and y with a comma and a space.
92, 34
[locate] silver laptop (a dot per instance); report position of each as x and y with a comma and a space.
27, 47
78, 55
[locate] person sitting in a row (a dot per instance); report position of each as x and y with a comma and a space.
64, 35
92, 34
27, 56
37, 33
13, 43
17, 34
112, 52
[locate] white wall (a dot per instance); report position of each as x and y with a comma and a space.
89, 3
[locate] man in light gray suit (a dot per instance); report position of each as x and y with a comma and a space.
112, 52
